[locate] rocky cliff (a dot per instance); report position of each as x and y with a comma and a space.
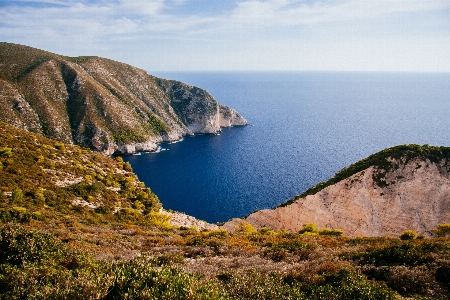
102, 104
404, 187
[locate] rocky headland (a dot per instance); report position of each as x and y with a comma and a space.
404, 187
102, 104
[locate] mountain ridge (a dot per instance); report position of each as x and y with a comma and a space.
102, 104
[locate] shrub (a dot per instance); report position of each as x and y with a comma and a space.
38, 195
410, 281
60, 146
40, 159
408, 235
36, 265
129, 214
119, 161
410, 254
157, 219
266, 231
127, 167
17, 195
5, 152
244, 228
138, 280
333, 232
19, 245
309, 227
169, 259
442, 230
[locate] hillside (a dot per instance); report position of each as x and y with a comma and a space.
102, 104
75, 224
404, 187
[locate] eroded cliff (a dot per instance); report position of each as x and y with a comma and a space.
100, 103
405, 187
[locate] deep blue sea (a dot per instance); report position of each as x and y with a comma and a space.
304, 127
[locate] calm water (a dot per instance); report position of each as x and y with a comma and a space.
305, 126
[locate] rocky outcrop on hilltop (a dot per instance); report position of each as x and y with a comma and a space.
405, 187
100, 103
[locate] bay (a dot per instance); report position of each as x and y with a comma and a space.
304, 127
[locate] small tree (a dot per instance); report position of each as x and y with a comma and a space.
408, 235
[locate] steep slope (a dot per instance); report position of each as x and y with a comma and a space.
47, 180
404, 187
102, 104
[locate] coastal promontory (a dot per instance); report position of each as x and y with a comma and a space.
102, 104
397, 189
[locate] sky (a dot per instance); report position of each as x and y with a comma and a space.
203, 35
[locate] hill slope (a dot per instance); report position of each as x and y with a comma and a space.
101, 236
102, 104
404, 187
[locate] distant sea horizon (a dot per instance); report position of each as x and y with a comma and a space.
304, 127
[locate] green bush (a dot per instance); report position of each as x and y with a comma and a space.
138, 280
309, 227
127, 167
409, 254
408, 235
19, 246
38, 195
36, 265
6, 152
17, 195
244, 228
333, 232
442, 230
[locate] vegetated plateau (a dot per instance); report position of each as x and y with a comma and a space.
76, 224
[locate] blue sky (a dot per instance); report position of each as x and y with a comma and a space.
172, 35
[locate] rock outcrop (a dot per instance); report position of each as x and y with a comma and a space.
405, 187
102, 104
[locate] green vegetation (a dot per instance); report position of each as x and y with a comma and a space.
91, 101
44, 175
309, 228
35, 264
382, 162
78, 225
126, 136
156, 125
408, 235
443, 230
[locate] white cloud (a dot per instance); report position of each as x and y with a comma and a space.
256, 34
139, 7
292, 12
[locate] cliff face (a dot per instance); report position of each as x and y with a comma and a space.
102, 104
406, 193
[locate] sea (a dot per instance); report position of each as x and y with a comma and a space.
303, 128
